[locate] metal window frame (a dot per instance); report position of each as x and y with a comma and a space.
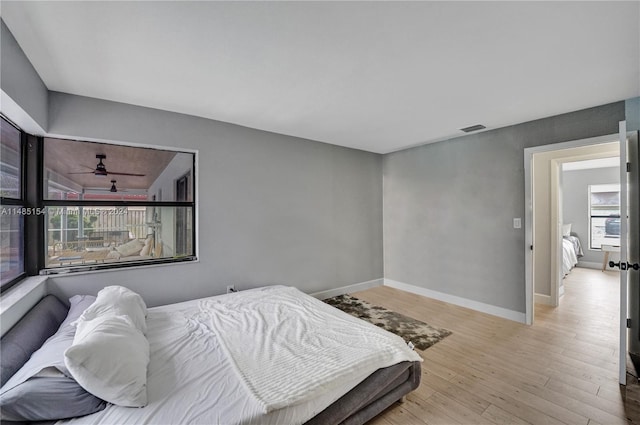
44, 203
32, 197
21, 202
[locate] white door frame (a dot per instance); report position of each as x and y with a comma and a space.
624, 226
555, 229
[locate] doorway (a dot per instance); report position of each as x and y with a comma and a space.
542, 164
543, 216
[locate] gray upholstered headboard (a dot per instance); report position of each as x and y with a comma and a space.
26, 336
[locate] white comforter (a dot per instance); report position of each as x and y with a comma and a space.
288, 347
569, 257
190, 378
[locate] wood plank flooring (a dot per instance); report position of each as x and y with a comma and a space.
561, 370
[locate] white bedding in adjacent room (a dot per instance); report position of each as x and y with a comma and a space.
190, 379
569, 257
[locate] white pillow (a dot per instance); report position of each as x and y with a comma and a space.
566, 229
132, 247
109, 358
118, 301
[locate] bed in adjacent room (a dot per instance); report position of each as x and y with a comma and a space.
571, 249
269, 355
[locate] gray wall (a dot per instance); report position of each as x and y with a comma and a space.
19, 79
449, 207
632, 111
272, 208
575, 203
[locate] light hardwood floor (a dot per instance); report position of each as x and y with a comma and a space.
494, 371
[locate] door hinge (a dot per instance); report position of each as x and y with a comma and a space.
531, 247
628, 323
628, 167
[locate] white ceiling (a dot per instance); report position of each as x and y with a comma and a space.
377, 76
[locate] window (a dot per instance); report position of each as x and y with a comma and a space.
604, 215
13, 209
113, 206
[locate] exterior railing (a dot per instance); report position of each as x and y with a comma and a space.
105, 226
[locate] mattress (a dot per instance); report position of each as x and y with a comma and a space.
191, 381
569, 257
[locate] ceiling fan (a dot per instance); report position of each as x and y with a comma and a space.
101, 169
114, 189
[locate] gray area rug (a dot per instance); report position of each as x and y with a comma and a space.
419, 333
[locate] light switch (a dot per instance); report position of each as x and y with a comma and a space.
517, 223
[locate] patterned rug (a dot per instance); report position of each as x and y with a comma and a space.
419, 333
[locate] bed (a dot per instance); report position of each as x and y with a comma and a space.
195, 375
571, 251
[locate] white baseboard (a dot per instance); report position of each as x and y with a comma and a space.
542, 299
348, 289
590, 265
462, 302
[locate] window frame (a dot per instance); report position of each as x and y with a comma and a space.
48, 203
591, 216
32, 198
20, 202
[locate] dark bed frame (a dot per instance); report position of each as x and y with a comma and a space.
369, 398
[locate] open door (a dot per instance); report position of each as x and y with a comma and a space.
629, 250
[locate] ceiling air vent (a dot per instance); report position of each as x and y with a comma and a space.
473, 128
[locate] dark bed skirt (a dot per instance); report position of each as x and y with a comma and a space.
373, 395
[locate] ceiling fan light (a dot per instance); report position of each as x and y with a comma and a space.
101, 170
